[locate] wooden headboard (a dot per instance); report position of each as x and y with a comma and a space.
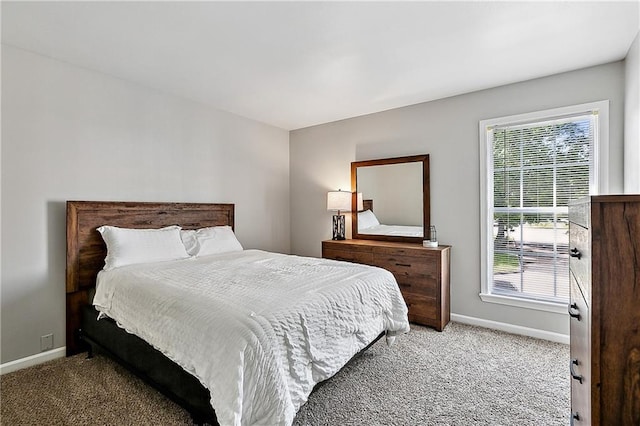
86, 250
367, 205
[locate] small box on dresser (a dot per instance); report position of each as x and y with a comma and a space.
604, 249
422, 273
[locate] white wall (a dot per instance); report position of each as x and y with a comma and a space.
632, 119
447, 129
72, 134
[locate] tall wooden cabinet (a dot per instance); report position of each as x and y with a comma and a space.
422, 273
605, 310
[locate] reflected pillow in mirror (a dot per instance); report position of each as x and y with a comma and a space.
127, 246
367, 219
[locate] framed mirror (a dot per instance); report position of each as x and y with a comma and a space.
391, 197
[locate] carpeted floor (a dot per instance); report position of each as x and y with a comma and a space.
462, 376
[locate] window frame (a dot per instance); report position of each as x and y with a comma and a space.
598, 184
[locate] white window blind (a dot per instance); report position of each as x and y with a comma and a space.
532, 166
538, 168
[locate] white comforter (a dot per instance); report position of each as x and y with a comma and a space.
258, 329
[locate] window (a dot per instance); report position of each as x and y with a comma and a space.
533, 165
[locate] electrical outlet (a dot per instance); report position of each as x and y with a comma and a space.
46, 342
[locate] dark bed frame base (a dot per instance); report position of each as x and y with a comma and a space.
153, 367
146, 362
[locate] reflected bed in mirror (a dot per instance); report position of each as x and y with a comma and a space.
399, 187
369, 224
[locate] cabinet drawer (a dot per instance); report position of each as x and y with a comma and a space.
349, 256
580, 213
425, 286
580, 258
403, 251
407, 266
421, 307
580, 356
344, 246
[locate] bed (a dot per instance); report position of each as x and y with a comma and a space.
291, 352
368, 224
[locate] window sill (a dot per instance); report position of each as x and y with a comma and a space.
558, 308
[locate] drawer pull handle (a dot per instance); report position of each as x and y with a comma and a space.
573, 314
574, 416
406, 265
573, 373
574, 252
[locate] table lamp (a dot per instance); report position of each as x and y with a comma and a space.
338, 201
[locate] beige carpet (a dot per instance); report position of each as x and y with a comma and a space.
464, 375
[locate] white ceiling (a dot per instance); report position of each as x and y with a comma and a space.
297, 64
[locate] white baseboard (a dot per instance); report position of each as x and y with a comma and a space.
32, 360
511, 328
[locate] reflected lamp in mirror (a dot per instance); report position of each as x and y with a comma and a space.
360, 202
338, 201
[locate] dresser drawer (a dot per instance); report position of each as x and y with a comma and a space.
421, 308
580, 356
580, 258
425, 286
418, 251
343, 245
580, 213
349, 256
407, 266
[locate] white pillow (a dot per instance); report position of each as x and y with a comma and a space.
213, 240
367, 219
127, 246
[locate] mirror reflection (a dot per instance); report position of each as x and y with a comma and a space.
392, 198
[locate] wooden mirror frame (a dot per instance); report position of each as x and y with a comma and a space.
426, 208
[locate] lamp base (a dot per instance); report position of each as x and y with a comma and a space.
338, 227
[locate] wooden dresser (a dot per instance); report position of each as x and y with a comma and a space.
422, 273
604, 245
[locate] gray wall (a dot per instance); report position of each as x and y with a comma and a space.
73, 134
447, 129
632, 119
69, 133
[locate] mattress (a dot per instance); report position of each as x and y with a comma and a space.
257, 329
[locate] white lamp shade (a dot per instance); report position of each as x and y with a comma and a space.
360, 203
339, 200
